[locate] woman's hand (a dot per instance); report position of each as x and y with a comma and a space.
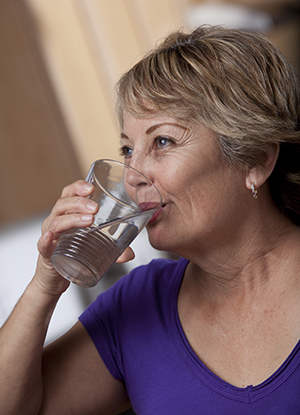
72, 210
127, 255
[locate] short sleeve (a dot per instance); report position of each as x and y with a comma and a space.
128, 314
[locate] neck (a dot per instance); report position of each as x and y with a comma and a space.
243, 269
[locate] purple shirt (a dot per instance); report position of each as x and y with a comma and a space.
136, 329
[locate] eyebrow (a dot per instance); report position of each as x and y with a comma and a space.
154, 127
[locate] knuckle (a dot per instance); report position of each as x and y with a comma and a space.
45, 224
73, 188
54, 225
57, 208
66, 190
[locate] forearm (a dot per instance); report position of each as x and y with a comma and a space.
22, 336
21, 345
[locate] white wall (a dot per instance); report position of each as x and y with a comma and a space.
18, 254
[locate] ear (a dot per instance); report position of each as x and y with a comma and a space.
260, 174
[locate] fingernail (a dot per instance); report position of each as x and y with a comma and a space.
91, 206
87, 187
87, 218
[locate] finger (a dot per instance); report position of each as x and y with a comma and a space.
65, 204
127, 255
78, 188
74, 204
44, 244
63, 223
70, 212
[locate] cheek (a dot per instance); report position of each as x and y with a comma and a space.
205, 198
194, 182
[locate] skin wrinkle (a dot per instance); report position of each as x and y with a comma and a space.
249, 307
185, 145
187, 139
230, 278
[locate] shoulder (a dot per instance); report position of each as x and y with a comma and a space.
137, 303
143, 284
157, 273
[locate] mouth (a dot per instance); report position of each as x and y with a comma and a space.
156, 214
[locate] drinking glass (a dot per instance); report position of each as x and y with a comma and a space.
127, 201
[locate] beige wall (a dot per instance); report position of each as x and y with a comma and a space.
36, 155
87, 45
59, 62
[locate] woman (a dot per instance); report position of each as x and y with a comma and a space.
212, 118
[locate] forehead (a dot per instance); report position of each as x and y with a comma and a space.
150, 123
153, 123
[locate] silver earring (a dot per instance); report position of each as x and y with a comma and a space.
254, 191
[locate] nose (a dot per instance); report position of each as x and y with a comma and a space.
135, 178
141, 190
143, 163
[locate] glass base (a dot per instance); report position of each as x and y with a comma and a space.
74, 271
84, 256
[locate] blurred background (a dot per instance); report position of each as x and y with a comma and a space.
59, 62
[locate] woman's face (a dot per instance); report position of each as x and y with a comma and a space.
202, 196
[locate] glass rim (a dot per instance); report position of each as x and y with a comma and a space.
107, 160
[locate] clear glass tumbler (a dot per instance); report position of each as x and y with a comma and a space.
127, 201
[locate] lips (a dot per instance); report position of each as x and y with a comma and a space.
144, 206
156, 214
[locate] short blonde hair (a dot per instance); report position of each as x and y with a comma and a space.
234, 82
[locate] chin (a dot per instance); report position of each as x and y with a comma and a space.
160, 240
156, 239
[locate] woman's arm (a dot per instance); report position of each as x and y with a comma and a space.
29, 383
77, 381
68, 377
21, 344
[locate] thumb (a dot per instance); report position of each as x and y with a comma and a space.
127, 255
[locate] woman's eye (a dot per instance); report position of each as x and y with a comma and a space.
162, 141
126, 151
